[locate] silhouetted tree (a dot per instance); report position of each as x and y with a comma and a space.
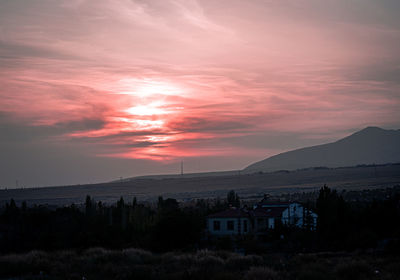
134, 202
88, 206
233, 199
121, 212
13, 205
23, 206
160, 202
334, 216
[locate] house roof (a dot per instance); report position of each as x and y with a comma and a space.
272, 212
260, 213
231, 213
264, 203
265, 208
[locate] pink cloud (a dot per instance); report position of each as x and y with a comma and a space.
174, 79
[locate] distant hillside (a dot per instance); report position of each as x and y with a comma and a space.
185, 175
187, 188
371, 145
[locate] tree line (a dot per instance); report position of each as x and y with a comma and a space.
168, 225
163, 227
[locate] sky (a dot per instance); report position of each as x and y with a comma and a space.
95, 90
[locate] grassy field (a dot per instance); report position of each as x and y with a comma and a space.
350, 178
98, 263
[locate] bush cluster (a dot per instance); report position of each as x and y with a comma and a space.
99, 263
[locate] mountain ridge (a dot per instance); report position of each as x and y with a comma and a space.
373, 133
371, 145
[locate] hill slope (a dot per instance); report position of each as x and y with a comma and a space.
371, 145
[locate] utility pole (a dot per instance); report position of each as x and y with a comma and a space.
182, 167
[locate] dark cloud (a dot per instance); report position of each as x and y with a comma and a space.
385, 73
11, 50
208, 124
12, 130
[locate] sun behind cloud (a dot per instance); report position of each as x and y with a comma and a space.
147, 87
233, 81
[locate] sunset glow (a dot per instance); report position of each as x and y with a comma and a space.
214, 83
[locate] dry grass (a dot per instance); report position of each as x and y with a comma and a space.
99, 263
262, 273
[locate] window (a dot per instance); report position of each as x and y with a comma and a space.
217, 225
230, 225
244, 226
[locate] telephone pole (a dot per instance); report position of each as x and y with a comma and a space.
181, 167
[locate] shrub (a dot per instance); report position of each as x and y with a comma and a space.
261, 273
318, 269
21, 264
227, 276
174, 262
138, 256
239, 262
210, 262
354, 270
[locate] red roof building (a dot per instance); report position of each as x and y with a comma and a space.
261, 219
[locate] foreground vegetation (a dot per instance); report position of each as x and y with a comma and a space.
169, 226
98, 263
89, 242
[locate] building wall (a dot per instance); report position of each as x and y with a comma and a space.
271, 223
223, 222
295, 215
262, 225
314, 218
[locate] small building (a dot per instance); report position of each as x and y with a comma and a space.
289, 213
233, 221
262, 218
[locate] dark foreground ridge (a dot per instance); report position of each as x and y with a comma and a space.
357, 237
99, 263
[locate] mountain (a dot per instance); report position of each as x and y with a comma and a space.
372, 145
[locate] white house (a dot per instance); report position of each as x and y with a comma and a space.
234, 221
262, 218
290, 213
